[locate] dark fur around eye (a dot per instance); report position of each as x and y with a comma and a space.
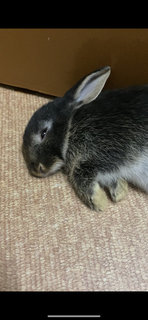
43, 133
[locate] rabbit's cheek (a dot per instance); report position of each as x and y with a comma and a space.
57, 165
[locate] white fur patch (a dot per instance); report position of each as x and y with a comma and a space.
57, 165
135, 172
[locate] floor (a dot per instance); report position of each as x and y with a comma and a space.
49, 240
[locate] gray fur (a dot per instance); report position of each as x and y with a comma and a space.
101, 139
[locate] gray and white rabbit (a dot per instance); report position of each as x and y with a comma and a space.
100, 138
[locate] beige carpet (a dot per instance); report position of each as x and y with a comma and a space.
49, 240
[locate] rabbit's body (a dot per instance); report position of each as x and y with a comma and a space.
101, 143
112, 136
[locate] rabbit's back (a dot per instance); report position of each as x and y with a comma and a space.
115, 118
114, 109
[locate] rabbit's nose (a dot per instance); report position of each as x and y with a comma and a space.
41, 168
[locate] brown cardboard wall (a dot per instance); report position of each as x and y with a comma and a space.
52, 60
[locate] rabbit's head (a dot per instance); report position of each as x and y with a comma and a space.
43, 138
44, 135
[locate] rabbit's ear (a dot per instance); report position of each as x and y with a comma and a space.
91, 86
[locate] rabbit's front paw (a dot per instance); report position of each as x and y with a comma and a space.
99, 198
118, 190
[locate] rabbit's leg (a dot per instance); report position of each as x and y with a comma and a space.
89, 191
118, 190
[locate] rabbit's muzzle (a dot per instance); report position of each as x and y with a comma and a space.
39, 171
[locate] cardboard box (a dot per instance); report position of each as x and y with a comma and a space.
50, 61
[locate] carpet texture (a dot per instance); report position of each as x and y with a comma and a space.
49, 240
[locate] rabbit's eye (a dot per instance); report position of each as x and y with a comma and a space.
43, 133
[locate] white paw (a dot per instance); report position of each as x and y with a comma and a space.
120, 191
99, 198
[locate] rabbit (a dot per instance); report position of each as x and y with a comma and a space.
99, 138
